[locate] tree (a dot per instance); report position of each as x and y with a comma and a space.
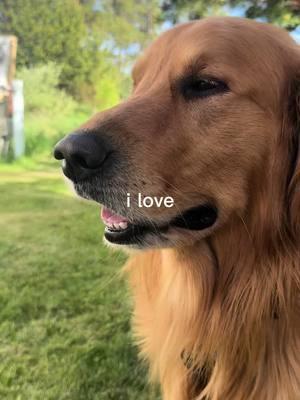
48, 31
285, 13
118, 31
122, 27
86, 38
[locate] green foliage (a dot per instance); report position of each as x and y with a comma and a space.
123, 22
108, 85
82, 36
49, 31
64, 317
41, 88
108, 92
281, 12
176, 10
79, 37
50, 113
118, 32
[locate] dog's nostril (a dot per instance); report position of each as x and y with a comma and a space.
58, 154
78, 159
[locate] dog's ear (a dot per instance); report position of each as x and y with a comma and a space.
294, 151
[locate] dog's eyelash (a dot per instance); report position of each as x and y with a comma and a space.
195, 87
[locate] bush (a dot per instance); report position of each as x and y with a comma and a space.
50, 112
41, 89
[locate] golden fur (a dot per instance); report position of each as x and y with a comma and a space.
218, 315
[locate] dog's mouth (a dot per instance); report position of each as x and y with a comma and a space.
119, 230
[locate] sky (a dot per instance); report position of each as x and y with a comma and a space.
296, 34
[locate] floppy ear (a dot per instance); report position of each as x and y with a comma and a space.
294, 179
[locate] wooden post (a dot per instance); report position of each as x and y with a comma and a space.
7, 73
13, 58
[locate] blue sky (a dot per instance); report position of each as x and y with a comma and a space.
296, 34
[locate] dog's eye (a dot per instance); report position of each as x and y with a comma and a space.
199, 88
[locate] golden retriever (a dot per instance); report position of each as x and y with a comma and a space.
213, 122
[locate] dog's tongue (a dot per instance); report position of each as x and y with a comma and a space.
110, 218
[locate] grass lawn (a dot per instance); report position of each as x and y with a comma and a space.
64, 316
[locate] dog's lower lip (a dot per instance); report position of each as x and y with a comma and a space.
133, 234
195, 219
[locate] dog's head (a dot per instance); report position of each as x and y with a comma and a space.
204, 125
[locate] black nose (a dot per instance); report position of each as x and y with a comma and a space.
83, 154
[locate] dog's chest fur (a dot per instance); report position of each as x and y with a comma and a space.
239, 350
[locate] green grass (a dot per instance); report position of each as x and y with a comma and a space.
64, 315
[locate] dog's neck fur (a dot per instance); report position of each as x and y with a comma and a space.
232, 303
235, 312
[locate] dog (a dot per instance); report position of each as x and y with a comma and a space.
213, 122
